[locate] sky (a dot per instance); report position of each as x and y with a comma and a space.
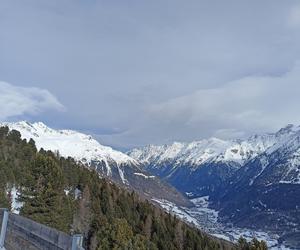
140, 72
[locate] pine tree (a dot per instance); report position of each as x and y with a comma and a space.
44, 193
4, 200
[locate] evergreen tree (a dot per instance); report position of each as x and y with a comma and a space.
43, 195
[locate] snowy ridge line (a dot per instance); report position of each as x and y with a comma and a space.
236, 153
214, 149
71, 143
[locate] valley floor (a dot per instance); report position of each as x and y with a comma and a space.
206, 219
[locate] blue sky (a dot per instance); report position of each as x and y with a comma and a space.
138, 72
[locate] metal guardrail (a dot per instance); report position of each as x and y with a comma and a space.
3, 229
15, 228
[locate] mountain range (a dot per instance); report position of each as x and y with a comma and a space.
253, 182
109, 163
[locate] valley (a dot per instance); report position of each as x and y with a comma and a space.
207, 219
253, 183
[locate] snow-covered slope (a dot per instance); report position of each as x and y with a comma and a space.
205, 167
70, 143
108, 162
213, 150
264, 193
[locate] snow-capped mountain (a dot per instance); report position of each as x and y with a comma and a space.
214, 149
80, 146
252, 183
176, 162
108, 162
268, 183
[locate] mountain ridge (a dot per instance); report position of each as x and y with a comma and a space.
213, 150
252, 183
109, 163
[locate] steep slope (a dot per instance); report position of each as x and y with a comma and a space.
252, 183
265, 192
200, 167
116, 165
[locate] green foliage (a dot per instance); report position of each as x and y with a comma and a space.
108, 216
4, 200
43, 194
253, 245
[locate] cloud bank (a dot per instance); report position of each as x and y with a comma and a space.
156, 71
236, 109
17, 101
257, 103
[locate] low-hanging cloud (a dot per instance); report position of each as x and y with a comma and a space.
251, 104
17, 101
238, 109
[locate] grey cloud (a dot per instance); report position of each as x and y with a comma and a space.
237, 109
17, 101
113, 62
249, 104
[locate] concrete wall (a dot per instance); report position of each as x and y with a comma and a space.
23, 233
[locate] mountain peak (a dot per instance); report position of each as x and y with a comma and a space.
213, 149
290, 128
40, 124
69, 143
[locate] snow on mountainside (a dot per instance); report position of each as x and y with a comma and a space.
252, 183
200, 152
212, 150
80, 146
119, 167
205, 167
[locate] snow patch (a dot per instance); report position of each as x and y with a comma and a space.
16, 205
206, 219
145, 176
175, 210
122, 176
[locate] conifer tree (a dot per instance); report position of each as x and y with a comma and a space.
43, 195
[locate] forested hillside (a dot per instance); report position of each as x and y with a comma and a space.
63, 194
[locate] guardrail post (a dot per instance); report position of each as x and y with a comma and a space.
3, 228
77, 242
